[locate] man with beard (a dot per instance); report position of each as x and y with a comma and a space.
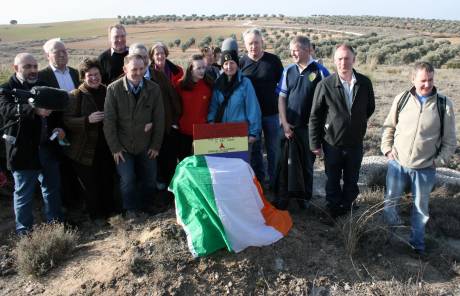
30, 152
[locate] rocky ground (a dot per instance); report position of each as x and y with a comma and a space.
148, 255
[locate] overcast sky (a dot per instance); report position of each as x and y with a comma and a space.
39, 11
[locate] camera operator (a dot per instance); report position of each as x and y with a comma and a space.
31, 149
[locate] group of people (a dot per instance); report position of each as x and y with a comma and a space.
132, 111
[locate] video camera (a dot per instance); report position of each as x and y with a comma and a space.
40, 97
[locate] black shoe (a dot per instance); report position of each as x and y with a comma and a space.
420, 254
337, 211
303, 204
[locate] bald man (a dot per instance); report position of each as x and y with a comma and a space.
30, 152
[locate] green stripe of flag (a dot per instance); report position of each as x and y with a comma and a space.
196, 206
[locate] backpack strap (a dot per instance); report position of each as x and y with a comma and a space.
442, 106
402, 103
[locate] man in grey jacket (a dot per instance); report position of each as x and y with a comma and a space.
415, 141
133, 127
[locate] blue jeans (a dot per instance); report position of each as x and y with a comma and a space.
137, 171
24, 189
421, 182
342, 163
270, 127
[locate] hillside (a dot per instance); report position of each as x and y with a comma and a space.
148, 255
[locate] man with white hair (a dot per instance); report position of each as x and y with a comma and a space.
111, 60
31, 154
58, 74
264, 70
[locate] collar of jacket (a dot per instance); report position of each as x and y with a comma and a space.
84, 88
220, 80
338, 83
172, 67
433, 93
126, 86
16, 83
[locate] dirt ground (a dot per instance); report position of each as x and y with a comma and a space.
148, 255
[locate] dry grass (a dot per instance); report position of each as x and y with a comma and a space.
44, 248
352, 227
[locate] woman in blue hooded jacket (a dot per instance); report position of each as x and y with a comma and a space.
234, 98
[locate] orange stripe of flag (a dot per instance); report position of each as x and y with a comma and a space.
280, 220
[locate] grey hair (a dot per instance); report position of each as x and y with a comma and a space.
303, 41
135, 48
20, 57
254, 31
139, 49
50, 44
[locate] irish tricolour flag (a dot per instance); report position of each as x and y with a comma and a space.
220, 204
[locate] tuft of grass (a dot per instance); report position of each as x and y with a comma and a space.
44, 248
354, 226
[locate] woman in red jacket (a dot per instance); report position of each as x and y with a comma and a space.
195, 90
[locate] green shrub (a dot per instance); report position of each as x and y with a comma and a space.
44, 248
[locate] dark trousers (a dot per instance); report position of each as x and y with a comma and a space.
98, 186
167, 158
342, 163
295, 166
184, 146
70, 187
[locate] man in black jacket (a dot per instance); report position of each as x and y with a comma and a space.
342, 104
111, 60
59, 75
30, 149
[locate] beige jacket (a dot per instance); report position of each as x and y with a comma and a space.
125, 117
415, 137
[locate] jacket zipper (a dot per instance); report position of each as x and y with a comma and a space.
416, 130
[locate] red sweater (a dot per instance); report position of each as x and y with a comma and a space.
195, 104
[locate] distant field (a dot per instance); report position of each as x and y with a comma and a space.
73, 29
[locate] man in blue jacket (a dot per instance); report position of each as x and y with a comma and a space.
295, 165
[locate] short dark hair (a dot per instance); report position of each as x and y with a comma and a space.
86, 65
422, 65
186, 81
205, 50
216, 51
346, 46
